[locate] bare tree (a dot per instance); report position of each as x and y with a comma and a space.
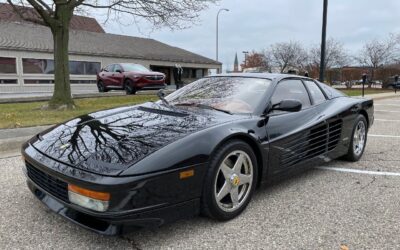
256, 60
375, 54
57, 15
287, 55
335, 55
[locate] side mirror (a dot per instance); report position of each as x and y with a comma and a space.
161, 93
118, 71
288, 105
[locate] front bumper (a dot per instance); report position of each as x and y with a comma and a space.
136, 201
117, 222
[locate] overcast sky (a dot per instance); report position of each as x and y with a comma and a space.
255, 24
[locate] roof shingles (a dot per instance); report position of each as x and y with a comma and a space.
31, 37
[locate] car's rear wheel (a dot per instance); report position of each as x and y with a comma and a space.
129, 88
101, 87
358, 139
230, 181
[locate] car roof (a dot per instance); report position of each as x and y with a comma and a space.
270, 76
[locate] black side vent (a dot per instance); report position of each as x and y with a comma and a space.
162, 112
319, 140
335, 132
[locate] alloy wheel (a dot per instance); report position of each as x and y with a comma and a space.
359, 138
234, 181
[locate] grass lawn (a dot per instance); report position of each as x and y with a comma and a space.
15, 115
358, 92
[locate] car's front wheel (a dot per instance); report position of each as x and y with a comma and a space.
230, 181
358, 139
101, 87
129, 88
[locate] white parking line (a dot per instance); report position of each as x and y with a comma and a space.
385, 120
384, 136
357, 171
390, 111
393, 105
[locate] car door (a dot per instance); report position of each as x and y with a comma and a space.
326, 110
117, 75
106, 74
289, 132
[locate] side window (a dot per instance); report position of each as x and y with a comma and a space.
291, 89
117, 67
109, 68
315, 92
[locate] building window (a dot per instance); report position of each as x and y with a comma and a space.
92, 68
38, 81
199, 73
84, 68
76, 68
8, 81
38, 66
186, 73
51, 81
46, 66
8, 65
83, 81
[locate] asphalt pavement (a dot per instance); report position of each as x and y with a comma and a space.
339, 204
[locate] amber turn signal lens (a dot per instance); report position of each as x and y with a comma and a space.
186, 174
89, 193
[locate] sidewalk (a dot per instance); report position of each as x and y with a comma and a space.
12, 139
383, 95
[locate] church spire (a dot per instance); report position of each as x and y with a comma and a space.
236, 64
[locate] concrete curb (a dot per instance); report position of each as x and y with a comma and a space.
12, 145
385, 97
47, 97
76, 96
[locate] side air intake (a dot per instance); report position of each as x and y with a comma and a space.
319, 140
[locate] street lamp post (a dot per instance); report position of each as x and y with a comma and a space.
245, 57
219, 11
364, 81
323, 42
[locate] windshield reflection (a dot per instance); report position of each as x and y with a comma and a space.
232, 94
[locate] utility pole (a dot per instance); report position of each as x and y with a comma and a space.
219, 11
245, 57
323, 41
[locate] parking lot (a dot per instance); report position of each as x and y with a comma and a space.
335, 205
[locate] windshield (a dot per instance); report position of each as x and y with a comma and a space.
232, 94
134, 67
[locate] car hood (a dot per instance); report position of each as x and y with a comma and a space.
108, 142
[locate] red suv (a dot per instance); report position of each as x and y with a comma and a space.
130, 77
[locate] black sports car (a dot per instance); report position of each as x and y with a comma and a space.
202, 149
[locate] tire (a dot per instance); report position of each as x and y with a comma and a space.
101, 87
358, 139
223, 179
129, 88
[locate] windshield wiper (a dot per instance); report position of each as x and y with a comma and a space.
203, 106
161, 96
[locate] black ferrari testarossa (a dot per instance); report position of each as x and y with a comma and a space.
202, 149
